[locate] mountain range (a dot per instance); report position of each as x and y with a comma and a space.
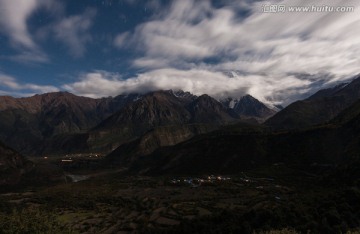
61, 122
175, 132
321, 130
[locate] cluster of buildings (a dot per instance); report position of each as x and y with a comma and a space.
196, 182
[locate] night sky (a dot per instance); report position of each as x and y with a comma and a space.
222, 48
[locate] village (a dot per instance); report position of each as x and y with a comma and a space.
199, 181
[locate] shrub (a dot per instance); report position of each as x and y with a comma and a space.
30, 220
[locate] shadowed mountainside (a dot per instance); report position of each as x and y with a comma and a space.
26, 122
12, 166
317, 109
155, 139
231, 150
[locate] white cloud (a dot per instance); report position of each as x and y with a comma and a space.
10, 83
264, 48
96, 84
70, 30
13, 23
73, 31
13, 17
173, 36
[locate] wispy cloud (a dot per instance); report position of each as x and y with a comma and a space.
30, 57
264, 50
9, 84
73, 31
121, 39
14, 15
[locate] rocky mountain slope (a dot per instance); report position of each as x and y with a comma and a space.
26, 122
156, 109
249, 107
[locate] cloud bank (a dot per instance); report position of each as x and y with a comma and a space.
273, 56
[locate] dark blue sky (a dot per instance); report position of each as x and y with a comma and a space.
223, 48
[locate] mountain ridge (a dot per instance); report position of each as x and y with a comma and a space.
318, 108
31, 125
